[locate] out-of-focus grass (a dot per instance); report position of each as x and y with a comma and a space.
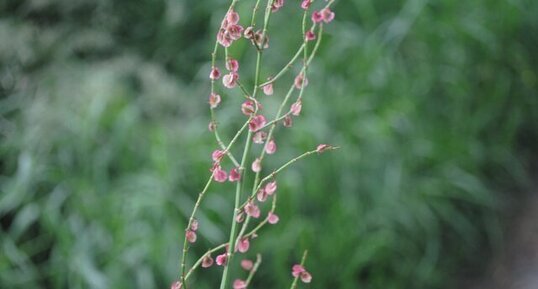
104, 143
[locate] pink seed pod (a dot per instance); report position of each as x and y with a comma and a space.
243, 245
214, 100
259, 137
270, 147
270, 188
296, 270
191, 236
230, 80
256, 165
215, 73
261, 195
235, 31
306, 4
249, 33
272, 218
175, 285
221, 259
252, 210
248, 107
300, 81
239, 284
211, 126
207, 261
296, 107
277, 4
247, 264
309, 36
268, 89
232, 65
317, 17
306, 277
224, 38
327, 15
234, 175
323, 147
194, 225
288, 121
220, 175
261, 42
240, 217
217, 155
232, 17
257, 122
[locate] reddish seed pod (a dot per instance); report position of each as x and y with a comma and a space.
247, 264
261, 195
234, 175
257, 122
296, 108
243, 245
220, 175
207, 261
194, 225
272, 218
232, 65
256, 165
221, 259
215, 73
239, 284
191, 236
309, 36
214, 100
270, 188
268, 89
230, 80
259, 137
316, 17
252, 210
288, 121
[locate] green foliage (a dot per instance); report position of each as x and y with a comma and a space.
104, 143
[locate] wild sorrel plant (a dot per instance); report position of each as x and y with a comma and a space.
256, 130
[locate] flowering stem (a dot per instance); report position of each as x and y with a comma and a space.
257, 184
224, 279
294, 283
199, 200
185, 244
236, 204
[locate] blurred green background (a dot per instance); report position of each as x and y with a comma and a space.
104, 143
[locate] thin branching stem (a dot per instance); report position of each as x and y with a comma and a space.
243, 172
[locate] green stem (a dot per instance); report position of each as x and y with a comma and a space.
238, 188
185, 244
